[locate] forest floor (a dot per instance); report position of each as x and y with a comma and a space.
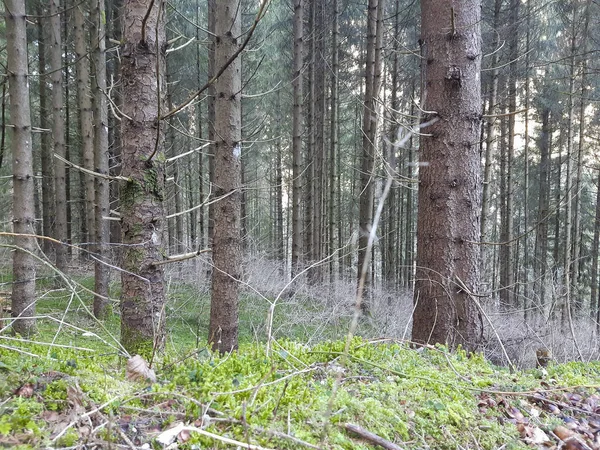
71, 386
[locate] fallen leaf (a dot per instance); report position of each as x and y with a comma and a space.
169, 436
138, 370
538, 437
25, 391
563, 433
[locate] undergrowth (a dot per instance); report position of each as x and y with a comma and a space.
424, 398
66, 387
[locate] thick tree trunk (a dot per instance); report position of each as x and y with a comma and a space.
223, 328
448, 229
101, 163
142, 210
23, 286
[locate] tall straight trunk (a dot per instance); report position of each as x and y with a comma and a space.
448, 229
171, 172
47, 161
558, 194
179, 236
86, 122
200, 179
332, 210
594, 304
541, 238
389, 252
409, 217
223, 327
569, 201
320, 180
70, 177
526, 177
23, 286
309, 169
507, 259
583, 102
212, 93
101, 162
297, 131
114, 156
369, 129
142, 210
490, 141
58, 135
279, 244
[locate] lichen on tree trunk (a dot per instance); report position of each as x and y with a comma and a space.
142, 210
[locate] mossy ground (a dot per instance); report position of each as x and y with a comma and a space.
295, 396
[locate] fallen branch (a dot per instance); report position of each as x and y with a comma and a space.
372, 437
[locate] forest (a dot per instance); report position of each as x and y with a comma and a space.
286, 223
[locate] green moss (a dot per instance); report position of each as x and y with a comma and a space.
55, 395
137, 343
130, 194
419, 399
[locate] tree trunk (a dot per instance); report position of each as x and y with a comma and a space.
369, 130
47, 160
142, 210
297, 131
594, 304
86, 124
569, 202
58, 134
448, 229
223, 328
334, 174
577, 231
23, 286
309, 158
114, 32
490, 145
541, 238
101, 163
212, 4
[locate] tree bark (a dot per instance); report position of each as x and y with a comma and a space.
142, 210
541, 237
297, 131
334, 174
23, 286
86, 123
448, 229
369, 130
47, 160
223, 328
101, 161
58, 135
